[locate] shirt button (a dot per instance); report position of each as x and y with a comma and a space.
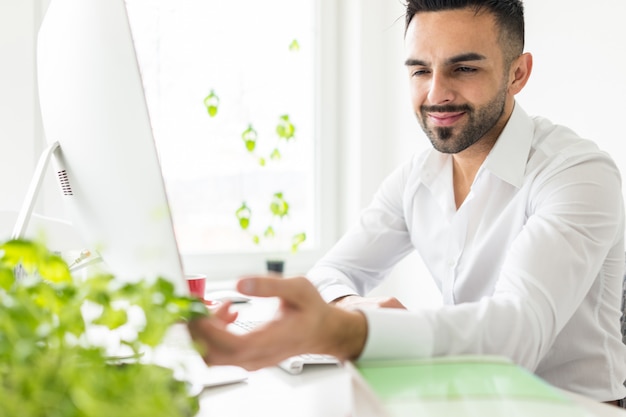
451, 263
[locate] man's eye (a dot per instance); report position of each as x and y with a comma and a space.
465, 69
419, 72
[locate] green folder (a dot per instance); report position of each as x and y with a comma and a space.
466, 385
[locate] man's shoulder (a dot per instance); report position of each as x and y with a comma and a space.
555, 143
557, 149
555, 138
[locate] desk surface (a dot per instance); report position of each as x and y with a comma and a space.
323, 391
338, 391
331, 391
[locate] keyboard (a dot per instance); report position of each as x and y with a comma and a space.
295, 364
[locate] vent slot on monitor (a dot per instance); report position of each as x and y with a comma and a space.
65, 183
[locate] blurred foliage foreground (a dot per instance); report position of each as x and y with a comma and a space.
48, 365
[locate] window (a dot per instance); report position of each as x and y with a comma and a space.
233, 96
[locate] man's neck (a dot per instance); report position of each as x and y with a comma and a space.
464, 169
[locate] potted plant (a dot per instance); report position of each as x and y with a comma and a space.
48, 365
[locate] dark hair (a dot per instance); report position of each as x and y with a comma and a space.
509, 15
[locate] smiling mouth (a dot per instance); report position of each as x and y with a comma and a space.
445, 119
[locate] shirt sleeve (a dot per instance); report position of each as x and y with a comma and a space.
362, 258
575, 223
395, 333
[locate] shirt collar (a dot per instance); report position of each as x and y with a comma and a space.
509, 156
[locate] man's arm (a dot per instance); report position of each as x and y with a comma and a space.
365, 255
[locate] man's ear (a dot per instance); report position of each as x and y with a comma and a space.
519, 72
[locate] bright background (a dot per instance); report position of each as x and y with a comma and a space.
578, 80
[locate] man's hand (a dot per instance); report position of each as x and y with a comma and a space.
351, 302
304, 324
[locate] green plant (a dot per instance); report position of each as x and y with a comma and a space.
212, 102
48, 367
278, 206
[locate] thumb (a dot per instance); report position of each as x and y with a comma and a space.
293, 290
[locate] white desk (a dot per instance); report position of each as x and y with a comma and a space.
329, 391
323, 391
332, 391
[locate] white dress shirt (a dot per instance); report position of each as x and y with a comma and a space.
530, 266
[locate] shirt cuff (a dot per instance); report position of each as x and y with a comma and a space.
331, 283
332, 293
396, 334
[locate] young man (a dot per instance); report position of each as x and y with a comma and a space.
520, 222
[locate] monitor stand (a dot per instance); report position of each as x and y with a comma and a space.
25, 214
26, 211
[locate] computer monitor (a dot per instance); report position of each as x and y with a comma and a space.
93, 104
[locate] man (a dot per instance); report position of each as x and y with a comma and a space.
520, 222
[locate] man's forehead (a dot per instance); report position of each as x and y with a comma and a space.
444, 35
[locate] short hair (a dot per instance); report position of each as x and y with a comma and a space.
509, 16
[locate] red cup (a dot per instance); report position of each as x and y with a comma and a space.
197, 284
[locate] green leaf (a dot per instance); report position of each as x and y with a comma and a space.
152, 334
164, 287
7, 278
285, 129
278, 206
297, 240
249, 137
112, 318
211, 102
269, 232
275, 154
243, 214
53, 268
294, 46
22, 252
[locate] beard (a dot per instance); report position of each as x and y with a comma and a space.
480, 121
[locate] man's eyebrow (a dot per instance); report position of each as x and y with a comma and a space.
469, 56
411, 62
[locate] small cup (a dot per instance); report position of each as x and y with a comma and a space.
197, 284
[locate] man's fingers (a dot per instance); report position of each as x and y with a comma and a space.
224, 313
218, 346
212, 338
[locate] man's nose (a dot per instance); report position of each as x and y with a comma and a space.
440, 89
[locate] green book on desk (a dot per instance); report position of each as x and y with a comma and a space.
460, 386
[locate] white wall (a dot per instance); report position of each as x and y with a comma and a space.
17, 100
21, 140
